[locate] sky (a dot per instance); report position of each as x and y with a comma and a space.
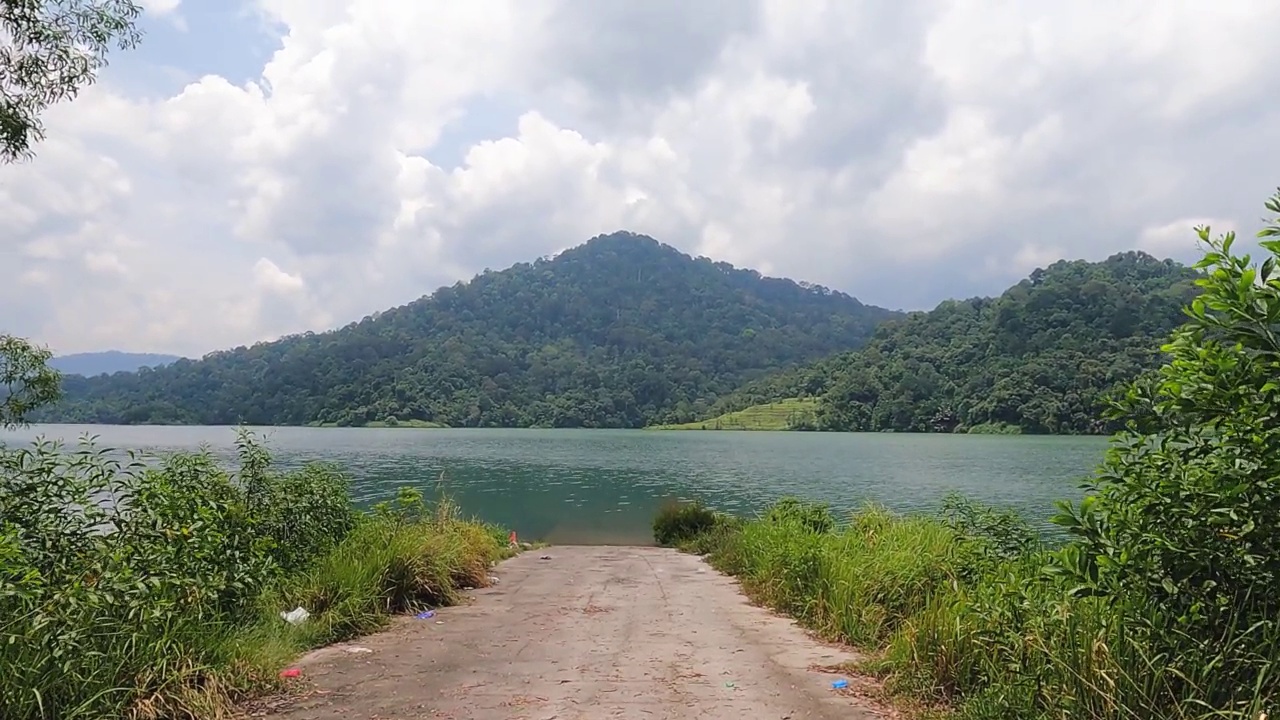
263, 167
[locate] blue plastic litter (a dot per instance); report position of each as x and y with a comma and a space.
838, 684
425, 614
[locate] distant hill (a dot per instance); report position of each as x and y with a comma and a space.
619, 332
1039, 359
109, 362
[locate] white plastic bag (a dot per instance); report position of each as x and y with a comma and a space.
295, 616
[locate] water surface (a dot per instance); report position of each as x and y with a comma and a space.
602, 486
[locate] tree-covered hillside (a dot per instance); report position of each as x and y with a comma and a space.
619, 332
1037, 359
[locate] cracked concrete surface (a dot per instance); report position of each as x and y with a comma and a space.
593, 632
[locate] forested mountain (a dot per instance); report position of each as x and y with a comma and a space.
619, 332
108, 362
1037, 359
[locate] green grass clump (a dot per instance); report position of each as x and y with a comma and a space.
959, 612
682, 521
155, 591
693, 527
789, 414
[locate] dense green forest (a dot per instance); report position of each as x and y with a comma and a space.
1040, 358
619, 332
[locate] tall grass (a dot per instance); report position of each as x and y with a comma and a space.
155, 591
958, 611
1163, 602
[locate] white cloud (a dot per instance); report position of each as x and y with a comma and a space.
956, 142
1179, 237
160, 7
270, 277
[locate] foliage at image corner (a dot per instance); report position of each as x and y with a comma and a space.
55, 49
1184, 505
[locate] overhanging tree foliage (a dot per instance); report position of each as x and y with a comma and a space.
26, 380
49, 51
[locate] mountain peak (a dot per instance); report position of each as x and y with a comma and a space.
621, 331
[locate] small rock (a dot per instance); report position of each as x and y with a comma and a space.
356, 650
545, 557
493, 580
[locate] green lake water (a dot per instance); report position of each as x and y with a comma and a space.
603, 486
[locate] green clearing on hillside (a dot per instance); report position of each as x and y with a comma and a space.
411, 423
1043, 358
788, 414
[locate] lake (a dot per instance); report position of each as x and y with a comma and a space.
603, 486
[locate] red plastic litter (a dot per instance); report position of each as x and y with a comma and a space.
290, 673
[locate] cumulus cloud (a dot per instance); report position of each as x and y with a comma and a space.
160, 7
387, 147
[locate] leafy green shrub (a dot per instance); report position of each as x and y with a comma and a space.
712, 541
111, 566
1182, 514
815, 516
681, 522
1003, 641
407, 507
302, 514
154, 590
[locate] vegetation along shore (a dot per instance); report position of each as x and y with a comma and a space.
1160, 605
153, 587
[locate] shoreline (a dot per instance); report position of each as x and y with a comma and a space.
647, 429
